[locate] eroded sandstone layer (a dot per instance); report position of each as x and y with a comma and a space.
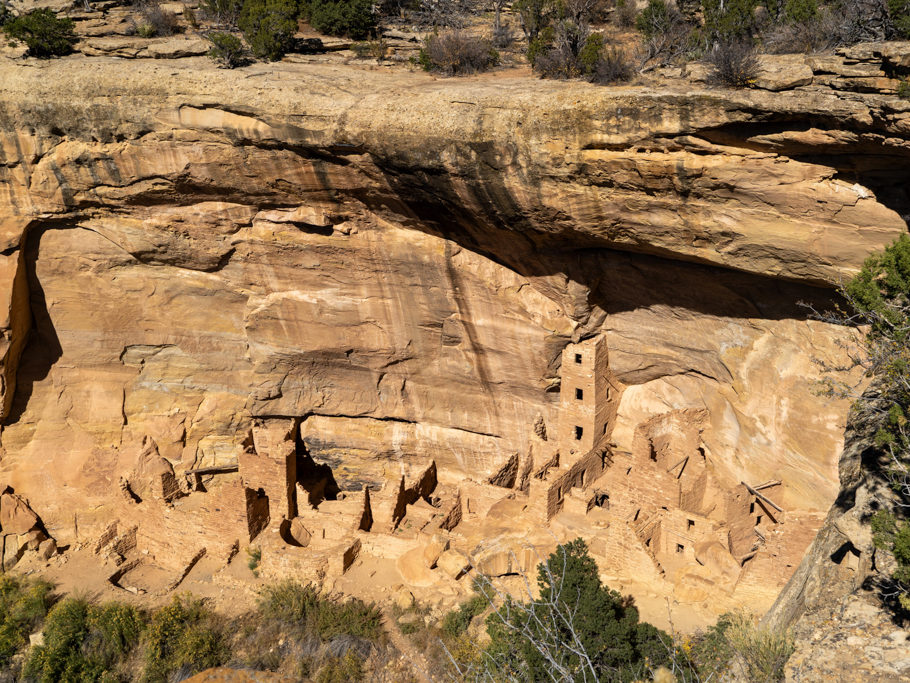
325, 311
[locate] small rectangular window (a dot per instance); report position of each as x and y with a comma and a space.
579, 394
751, 507
690, 523
605, 428
758, 520
578, 358
680, 548
578, 433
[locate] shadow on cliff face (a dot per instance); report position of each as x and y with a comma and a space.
43, 348
616, 281
883, 168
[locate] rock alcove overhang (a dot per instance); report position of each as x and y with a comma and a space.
682, 218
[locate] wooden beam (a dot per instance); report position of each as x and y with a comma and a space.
681, 462
218, 469
768, 484
762, 497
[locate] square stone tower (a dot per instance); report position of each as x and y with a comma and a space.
588, 398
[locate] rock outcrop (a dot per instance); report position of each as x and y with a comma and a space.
381, 271
20, 530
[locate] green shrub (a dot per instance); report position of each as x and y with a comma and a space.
536, 15
377, 49
349, 617
409, 628
540, 44
800, 11
570, 50
899, 11
590, 53
890, 534
573, 613
729, 20
156, 21
657, 18
561, 60
290, 604
223, 12
894, 536
23, 605
227, 51
813, 34
84, 642
711, 651
302, 609
735, 64
879, 296
341, 670
269, 27
880, 287
456, 53
903, 90
254, 556
45, 34
115, 629
351, 18
61, 657
612, 66
183, 635
763, 651
668, 38
457, 621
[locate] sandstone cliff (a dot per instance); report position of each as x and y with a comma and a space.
383, 269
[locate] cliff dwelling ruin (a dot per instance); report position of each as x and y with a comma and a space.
655, 512
384, 367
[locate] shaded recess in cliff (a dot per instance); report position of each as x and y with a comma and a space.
480, 214
42, 348
500, 233
867, 157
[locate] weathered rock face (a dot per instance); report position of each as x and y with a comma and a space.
397, 264
836, 595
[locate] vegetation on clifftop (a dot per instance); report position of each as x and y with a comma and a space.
268, 27
602, 41
45, 34
352, 18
